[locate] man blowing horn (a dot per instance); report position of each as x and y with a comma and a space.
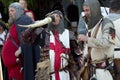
59, 45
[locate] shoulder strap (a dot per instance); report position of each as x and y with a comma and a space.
60, 41
97, 27
1, 40
13, 41
94, 35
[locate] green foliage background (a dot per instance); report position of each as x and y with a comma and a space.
31, 4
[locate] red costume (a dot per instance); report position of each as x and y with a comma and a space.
8, 55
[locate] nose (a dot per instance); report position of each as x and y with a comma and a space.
86, 12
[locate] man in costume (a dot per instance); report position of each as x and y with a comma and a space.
59, 52
99, 40
24, 68
59, 46
59, 49
114, 16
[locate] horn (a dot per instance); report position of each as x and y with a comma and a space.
40, 23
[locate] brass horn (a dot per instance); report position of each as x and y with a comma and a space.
40, 23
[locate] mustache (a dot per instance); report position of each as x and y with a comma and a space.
10, 15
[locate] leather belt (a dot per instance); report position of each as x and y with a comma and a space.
13, 79
99, 65
117, 49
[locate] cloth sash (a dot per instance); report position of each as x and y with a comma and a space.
56, 51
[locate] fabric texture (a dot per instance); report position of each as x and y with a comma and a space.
9, 56
56, 52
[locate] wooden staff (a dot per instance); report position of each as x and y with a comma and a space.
1, 74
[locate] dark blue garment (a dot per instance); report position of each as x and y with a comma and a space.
30, 51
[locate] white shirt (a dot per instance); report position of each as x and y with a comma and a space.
2, 36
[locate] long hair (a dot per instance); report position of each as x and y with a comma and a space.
19, 11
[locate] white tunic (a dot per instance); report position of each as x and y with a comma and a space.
64, 38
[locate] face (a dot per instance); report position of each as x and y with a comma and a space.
12, 13
57, 19
86, 10
23, 3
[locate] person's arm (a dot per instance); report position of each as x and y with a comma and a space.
101, 41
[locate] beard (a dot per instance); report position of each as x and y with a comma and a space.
10, 20
90, 22
59, 28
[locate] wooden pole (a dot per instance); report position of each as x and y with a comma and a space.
1, 74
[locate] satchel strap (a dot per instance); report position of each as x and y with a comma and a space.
95, 33
13, 41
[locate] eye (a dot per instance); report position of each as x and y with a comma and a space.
57, 15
